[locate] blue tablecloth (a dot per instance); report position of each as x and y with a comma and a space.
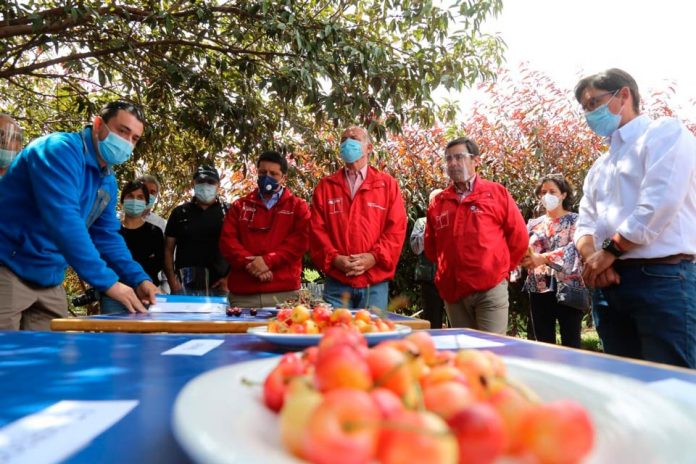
38, 369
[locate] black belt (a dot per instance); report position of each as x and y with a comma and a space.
673, 259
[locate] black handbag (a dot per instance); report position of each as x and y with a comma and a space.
575, 297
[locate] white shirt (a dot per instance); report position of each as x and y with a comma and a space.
418, 236
644, 188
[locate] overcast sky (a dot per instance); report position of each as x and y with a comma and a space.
652, 40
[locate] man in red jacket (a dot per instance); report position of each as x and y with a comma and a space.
476, 235
358, 227
264, 236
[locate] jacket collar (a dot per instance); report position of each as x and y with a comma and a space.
91, 152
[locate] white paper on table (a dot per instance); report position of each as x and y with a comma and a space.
675, 389
55, 433
188, 307
196, 347
455, 342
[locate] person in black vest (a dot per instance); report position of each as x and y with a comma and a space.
193, 231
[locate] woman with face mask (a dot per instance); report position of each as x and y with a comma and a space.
144, 240
554, 282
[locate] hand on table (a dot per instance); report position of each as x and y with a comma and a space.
127, 297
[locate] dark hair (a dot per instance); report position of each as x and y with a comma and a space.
471, 146
132, 186
611, 80
274, 157
110, 109
563, 185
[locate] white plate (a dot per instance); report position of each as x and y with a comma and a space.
303, 340
217, 419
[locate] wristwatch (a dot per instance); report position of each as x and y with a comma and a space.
612, 247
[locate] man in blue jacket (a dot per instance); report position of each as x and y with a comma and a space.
58, 202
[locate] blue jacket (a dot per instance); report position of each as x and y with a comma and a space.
58, 207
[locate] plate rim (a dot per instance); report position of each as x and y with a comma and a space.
210, 452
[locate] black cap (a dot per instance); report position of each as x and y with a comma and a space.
206, 171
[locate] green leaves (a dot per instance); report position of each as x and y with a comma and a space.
224, 80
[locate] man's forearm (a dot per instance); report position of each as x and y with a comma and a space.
586, 246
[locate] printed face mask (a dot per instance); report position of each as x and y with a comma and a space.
205, 193
133, 207
351, 150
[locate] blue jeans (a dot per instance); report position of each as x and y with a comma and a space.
651, 315
367, 297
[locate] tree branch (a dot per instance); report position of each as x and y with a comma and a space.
137, 45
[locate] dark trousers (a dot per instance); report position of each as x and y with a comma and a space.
433, 306
544, 311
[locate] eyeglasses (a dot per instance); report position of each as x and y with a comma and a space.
457, 156
593, 102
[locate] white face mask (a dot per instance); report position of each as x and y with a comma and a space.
550, 201
205, 193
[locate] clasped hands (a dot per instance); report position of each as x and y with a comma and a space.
354, 265
259, 269
533, 261
598, 271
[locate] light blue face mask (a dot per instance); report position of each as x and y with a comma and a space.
133, 207
205, 193
114, 149
6, 157
151, 202
351, 150
602, 121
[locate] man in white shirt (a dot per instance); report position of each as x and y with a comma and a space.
637, 226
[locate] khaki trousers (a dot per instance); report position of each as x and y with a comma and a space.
24, 306
260, 300
487, 311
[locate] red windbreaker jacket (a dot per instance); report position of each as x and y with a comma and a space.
476, 242
372, 222
280, 235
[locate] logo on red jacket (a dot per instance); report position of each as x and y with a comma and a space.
335, 205
442, 220
247, 213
